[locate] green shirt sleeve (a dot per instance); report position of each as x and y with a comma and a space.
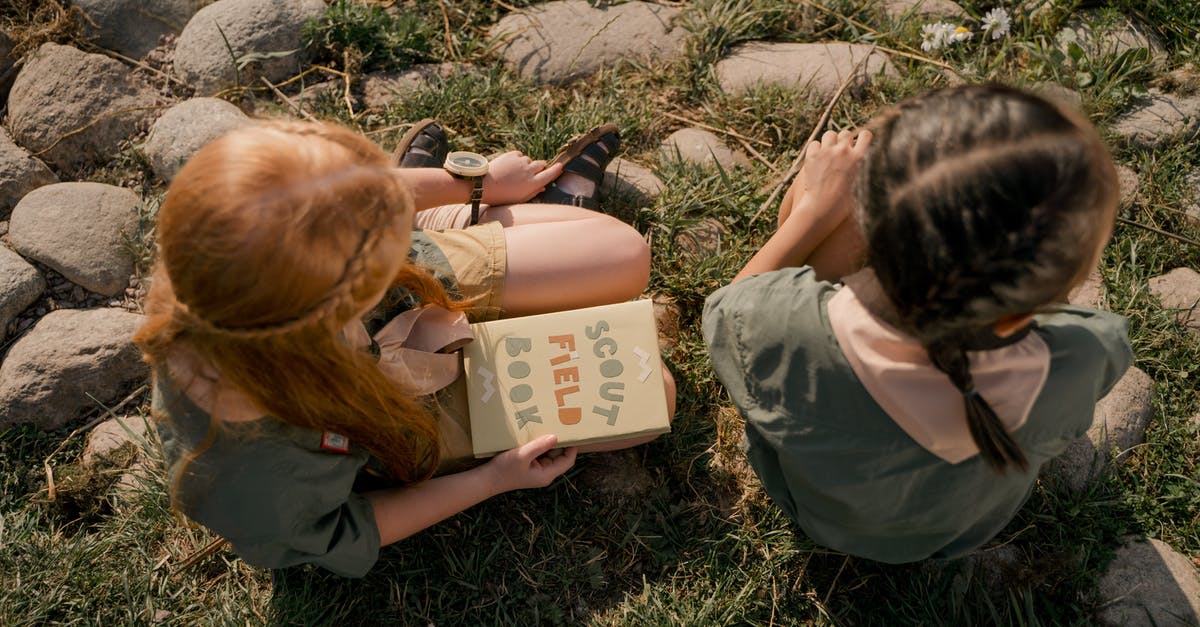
281, 500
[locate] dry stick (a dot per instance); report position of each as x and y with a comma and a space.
107, 114
51, 489
198, 556
714, 129
821, 122
120, 57
449, 32
346, 84
1153, 229
833, 585
757, 155
287, 100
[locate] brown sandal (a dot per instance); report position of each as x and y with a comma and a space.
586, 155
423, 146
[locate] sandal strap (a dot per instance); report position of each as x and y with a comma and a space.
592, 160
555, 196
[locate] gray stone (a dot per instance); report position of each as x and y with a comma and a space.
695, 145
381, 89
1056, 92
923, 9
1149, 584
20, 173
1119, 423
72, 356
202, 57
1090, 293
1108, 34
133, 27
1127, 179
560, 41
702, 240
80, 230
820, 68
61, 90
1179, 290
20, 286
626, 179
1158, 117
113, 435
187, 127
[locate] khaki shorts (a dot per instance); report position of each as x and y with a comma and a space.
476, 254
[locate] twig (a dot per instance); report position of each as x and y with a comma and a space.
714, 129
821, 122
757, 155
195, 558
287, 100
454, 54
346, 85
833, 585
120, 57
385, 129
51, 488
1153, 229
107, 114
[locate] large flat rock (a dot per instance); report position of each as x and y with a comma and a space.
819, 68
1179, 291
185, 128
68, 362
559, 41
20, 286
70, 107
202, 54
696, 145
80, 230
20, 173
1149, 584
1102, 34
134, 27
1157, 118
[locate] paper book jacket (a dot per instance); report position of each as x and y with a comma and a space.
586, 375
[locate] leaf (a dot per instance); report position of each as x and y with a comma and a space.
252, 57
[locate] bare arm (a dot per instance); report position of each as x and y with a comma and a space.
815, 206
512, 177
401, 512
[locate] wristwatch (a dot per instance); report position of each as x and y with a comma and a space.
472, 167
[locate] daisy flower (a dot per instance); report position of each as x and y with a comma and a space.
962, 33
996, 23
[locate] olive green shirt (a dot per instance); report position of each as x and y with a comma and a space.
839, 466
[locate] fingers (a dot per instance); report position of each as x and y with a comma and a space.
530, 451
547, 175
862, 142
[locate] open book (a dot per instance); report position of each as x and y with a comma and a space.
586, 375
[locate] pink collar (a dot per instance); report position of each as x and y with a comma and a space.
897, 372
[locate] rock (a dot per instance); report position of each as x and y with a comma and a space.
187, 127
114, 434
61, 90
1127, 179
626, 179
701, 240
133, 27
819, 68
1192, 190
1159, 116
20, 286
1056, 92
1090, 293
202, 57
925, 10
667, 314
695, 145
1119, 422
20, 173
381, 89
1179, 290
560, 41
1149, 584
1104, 35
71, 356
80, 230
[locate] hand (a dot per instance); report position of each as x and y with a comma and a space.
512, 177
830, 167
532, 465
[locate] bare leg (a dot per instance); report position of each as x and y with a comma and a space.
840, 254
562, 257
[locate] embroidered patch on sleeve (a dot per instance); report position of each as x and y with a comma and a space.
335, 442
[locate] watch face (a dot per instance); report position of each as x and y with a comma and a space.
467, 161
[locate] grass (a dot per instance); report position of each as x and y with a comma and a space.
702, 544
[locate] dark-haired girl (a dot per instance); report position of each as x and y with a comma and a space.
903, 412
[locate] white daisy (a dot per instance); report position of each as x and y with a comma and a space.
996, 23
936, 36
961, 33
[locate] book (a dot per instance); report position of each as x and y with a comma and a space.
585, 375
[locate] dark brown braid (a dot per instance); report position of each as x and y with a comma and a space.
977, 203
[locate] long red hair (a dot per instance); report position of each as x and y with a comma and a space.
271, 239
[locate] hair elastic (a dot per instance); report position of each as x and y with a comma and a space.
969, 391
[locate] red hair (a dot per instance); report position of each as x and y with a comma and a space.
271, 239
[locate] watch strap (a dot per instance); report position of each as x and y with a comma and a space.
476, 197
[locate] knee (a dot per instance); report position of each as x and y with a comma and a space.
628, 255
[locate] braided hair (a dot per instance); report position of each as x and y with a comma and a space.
977, 203
271, 239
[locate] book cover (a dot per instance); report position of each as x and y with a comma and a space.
586, 375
